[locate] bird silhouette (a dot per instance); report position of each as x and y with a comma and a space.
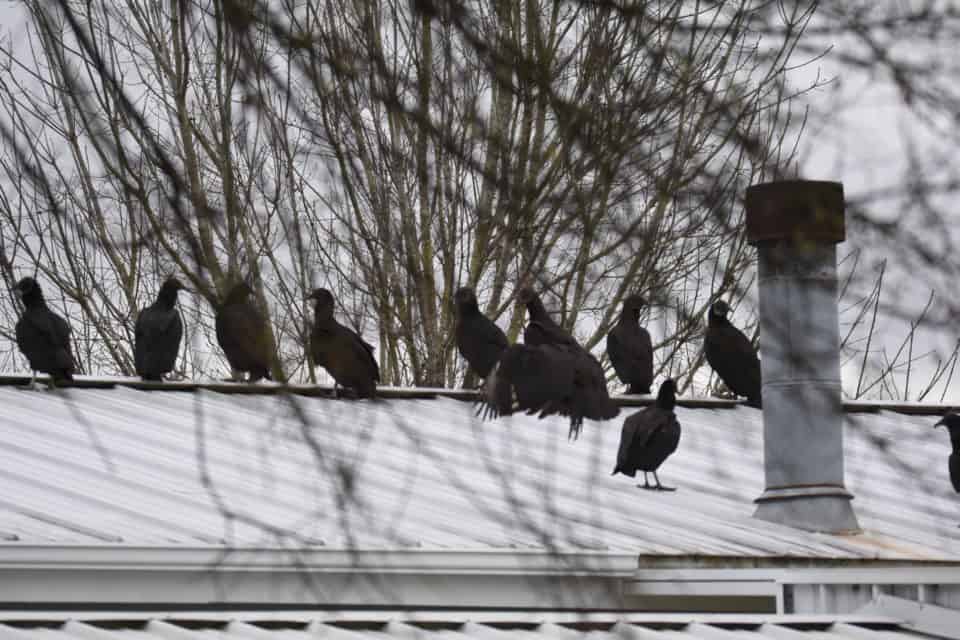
630, 348
242, 334
340, 350
732, 355
157, 334
479, 340
43, 336
649, 437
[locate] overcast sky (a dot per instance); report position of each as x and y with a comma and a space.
862, 146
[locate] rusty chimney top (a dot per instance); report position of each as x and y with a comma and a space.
796, 226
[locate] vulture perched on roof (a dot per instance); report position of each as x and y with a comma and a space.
649, 437
479, 340
549, 374
42, 335
630, 348
242, 334
157, 334
340, 350
732, 355
952, 423
546, 379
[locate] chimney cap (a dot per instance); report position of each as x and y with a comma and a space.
795, 210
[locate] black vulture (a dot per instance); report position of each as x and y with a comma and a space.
952, 422
649, 437
547, 379
42, 335
541, 329
630, 348
157, 334
549, 374
591, 382
340, 350
479, 340
242, 334
732, 355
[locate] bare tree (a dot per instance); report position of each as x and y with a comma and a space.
394, 152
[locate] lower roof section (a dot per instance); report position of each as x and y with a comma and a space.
437, 625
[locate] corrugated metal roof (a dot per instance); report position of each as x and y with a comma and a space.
130, 467
452, 627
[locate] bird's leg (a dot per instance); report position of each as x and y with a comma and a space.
335, 386
646, 483
659, 486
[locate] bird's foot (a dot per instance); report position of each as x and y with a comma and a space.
661, 487
33, 385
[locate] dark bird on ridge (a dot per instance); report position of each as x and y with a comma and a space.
649, 437
549, 374
630, 348
732, 355
479, 340
952, 423
242, 334
157, 334
546, 379
42, 335
340, 350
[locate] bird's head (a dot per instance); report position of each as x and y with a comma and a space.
633, 304
27, 288
951, 421
172, 284
667, 396
719, 309
526, 295
465, 297
322, 297
239, 292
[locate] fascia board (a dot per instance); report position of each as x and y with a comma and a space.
339, 561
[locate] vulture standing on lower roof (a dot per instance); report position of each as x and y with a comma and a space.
630, 348
42, 335
340, 350
242, 334
732, 355
952, 423
479, 340
649, 437
158, 333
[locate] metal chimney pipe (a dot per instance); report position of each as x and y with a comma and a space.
796, 226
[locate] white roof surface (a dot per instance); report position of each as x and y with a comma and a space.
122, 467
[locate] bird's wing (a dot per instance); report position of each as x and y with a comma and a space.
591, 395
364, 351
537, 332
955, 471
541, 376
649, 421
734, 358
490, 334
243, 329
481, 343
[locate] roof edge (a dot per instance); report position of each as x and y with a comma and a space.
255, 560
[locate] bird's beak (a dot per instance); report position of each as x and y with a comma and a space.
940, 424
